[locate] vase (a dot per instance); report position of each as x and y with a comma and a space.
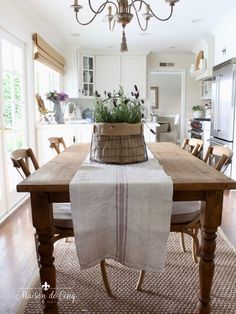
197, 114
59, 116
118, 143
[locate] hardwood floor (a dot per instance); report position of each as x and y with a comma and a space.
18, 265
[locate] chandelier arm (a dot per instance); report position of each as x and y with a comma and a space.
100, 9
165, 19
133, 5
142, 28
158, 18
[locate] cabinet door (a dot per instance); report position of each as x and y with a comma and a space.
107, 73
134, 73
84, 133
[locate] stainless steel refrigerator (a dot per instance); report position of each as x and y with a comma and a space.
223, 104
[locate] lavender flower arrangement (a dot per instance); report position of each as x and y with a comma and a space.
55, 96
117, 107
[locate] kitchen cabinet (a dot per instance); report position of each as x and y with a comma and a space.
88, 75
148, 135
127, 71
225, 45
108, 73
71, 133
133, 72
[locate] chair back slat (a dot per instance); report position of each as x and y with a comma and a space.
219, 157
21, 158
56, 143
193, 146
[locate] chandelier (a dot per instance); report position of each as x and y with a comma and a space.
122, 12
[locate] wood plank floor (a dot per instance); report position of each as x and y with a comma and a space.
18, 265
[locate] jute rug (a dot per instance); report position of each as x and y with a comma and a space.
174, 291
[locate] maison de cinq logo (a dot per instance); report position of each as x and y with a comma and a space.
36, 294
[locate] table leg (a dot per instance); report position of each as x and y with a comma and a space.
210, 220
42, 220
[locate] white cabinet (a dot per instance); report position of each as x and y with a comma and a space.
107, 73
127, 71
78, 133
88, 75
133, 69
148, 135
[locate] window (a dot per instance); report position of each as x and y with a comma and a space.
13, 125
46, 80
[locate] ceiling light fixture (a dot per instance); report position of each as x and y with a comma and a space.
123, 14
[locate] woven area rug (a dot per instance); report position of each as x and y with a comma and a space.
174, 291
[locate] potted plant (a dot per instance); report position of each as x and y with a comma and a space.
197, 111
118, 129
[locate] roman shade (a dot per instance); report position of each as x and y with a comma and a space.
44, 53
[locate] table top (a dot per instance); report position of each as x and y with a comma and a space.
188, 172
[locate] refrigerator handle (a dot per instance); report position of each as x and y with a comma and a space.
219, 105
216, 105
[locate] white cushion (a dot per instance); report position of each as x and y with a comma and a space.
183, 212
62, 211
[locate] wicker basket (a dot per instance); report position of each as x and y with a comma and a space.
118, 143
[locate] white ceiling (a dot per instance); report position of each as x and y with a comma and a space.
178, 32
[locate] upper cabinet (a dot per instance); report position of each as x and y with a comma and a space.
127, 71
133, 72
108, 73
204, 59
88, 75
225, 45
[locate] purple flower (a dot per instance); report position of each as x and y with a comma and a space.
61, 96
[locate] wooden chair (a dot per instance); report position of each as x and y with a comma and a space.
193, 146
219, 156
23, 160
56, 143
185, 217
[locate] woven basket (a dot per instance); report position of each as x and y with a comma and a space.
118, 143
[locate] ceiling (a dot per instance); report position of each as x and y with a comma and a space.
177, 35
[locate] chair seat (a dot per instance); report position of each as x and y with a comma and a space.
183, 212
62, 216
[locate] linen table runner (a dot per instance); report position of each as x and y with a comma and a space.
122, 212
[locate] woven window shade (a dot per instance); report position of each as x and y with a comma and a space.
44, 53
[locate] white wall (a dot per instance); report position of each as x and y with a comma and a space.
182, 62
169, 92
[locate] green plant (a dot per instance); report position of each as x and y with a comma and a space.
197, 108
118, 108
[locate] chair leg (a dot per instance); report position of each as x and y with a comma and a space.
182, 242
195, 246
36, 248
105, 278
140, 280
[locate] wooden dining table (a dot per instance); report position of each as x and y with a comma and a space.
192, 180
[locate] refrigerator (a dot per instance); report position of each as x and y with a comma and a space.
223, 105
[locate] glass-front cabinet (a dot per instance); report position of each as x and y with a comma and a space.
88, 76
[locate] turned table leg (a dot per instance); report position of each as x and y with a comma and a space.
210, 220
42, 221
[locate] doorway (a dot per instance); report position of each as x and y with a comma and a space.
171, 92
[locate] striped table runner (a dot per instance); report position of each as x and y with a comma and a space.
122, 212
